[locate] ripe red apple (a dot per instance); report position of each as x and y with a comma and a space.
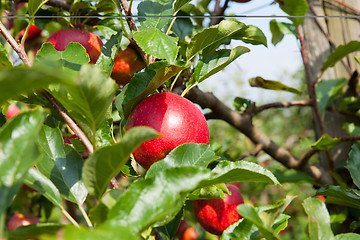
19, 219
126, 64
12, 111
215, 215
90, 41
33, 32
178, 121
186, 232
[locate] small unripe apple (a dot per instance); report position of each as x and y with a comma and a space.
126, 64
90, 41
216, 215
12, 111
19, 219
178, 121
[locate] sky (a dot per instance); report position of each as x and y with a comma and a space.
274, 62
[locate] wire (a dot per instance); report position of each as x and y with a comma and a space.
169, 16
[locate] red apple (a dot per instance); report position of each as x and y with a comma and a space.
126, 64
19, 219
33, 32
321, 198
215, 215
178, 121
186, 232
12, 111
90, 41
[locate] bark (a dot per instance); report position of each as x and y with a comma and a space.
321, 37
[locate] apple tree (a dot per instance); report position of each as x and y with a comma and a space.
71, 75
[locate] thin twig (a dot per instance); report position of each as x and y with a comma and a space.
255, 152
312, 85
259, 109
356, 11
18, 48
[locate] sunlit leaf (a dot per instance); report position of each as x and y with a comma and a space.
140, 206
18, 152
107, 161
188, 154
318, 219
158, 44
325, 142
339, 53
294, 8
62, 165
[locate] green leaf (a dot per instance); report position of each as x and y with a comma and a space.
62, 165
71, 58
281, 223
340, 196
213, 36
188, 154
239, 230
141, 207
108, 53
339, 53
107, 161
241, 104
36, 180
34, 6
101, 232
272, 213
272, 85
155, 8
4, 57
158, 44
279, 29
40, 75
215, 62
178, 4
294, 8
251, 34
18, 152
240, 171
325, 142
353, 163
89, 99
250, 214
347, 236
34, 231
318, 219
145, 83
327, 90
292, 176
98, 214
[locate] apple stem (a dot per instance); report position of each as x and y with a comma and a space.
171, 25
173, 83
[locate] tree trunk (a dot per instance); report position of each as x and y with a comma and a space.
320, 36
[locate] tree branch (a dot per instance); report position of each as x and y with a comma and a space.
259, 109
311, 85
243, 123
254, 152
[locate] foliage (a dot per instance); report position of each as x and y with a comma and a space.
91, 187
